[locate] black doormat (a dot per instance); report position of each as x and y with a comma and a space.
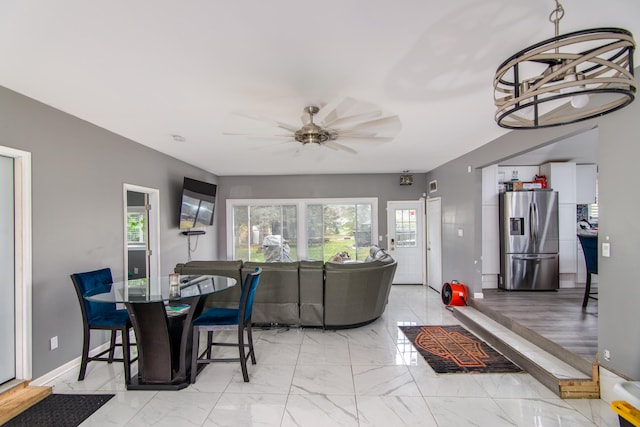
60, 410
453, 349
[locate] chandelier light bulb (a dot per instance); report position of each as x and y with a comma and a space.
579, 101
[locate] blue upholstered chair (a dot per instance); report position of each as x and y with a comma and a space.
216, 319
103, 316
590, 249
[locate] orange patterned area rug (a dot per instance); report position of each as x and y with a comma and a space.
453, 349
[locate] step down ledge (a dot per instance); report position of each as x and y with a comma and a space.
20, 398
561, 378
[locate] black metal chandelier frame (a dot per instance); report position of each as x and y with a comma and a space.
601, 74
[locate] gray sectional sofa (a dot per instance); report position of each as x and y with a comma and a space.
307, 293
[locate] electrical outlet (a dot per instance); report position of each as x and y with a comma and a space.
53, 343
606, 354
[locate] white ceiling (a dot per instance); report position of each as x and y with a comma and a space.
150, 69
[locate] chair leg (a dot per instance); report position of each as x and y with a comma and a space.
126, 355
587, 291
243, 355
250, 340
209, 343
194, 354
112, 350
85, 354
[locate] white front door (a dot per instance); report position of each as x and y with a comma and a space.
7, 272
434, 243
405, 225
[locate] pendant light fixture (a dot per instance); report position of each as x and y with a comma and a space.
566, 79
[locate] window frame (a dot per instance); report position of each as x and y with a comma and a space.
301, 208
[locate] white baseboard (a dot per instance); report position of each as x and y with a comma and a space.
74, 363
607, 381
489, 281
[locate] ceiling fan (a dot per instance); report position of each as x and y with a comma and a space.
348, 120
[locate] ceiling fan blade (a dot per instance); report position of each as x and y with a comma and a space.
334, 110
352, 118
267, 120
286, 126
258, 135
390, 124
305, 118
366, 139
335, 146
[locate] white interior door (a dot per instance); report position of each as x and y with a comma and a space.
434, 243
7, 272
405, 225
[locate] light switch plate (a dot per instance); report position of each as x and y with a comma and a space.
606, 249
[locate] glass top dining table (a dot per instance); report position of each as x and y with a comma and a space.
162, 316
158, 289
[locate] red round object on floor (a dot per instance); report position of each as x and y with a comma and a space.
454, 293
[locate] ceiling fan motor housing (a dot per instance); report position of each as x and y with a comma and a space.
311, 132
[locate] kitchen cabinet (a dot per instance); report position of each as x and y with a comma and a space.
561, 177
586, 182
490, 231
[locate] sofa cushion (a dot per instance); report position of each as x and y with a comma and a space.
356, 294
277, 299
311, 275
228, 298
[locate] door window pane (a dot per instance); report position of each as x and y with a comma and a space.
135, 228
406, 225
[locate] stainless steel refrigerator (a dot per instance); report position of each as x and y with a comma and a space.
529, 240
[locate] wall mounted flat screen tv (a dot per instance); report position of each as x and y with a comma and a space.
198, 204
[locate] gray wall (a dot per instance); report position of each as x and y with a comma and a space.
618, 154
78, 172
386, 187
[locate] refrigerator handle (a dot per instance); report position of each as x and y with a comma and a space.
532, 230
536, 219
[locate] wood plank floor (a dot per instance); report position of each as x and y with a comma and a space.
556, 315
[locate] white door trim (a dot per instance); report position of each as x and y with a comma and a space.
154, 229
429, 248
23, 261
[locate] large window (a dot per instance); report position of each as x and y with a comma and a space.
265, 232
287, 230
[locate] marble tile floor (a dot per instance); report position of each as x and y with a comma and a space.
369, 376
